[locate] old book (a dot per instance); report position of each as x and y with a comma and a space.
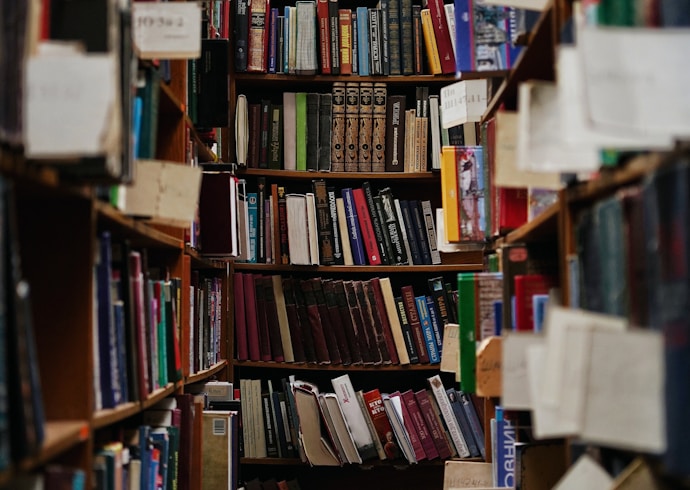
342, 386
275, 142
289, 131
219, 448
344, 232
375, 41
262, 319
407, 61
282, 317
410, 345
306, 337
264, 134
336, 321
242, 345
433, 424
325, 317
338, 132
315, 322
306, 62
324, 223
380, 314
352, 127
367, 333
358, 322
419, 425
347, 322
415, 325
258, 36
402, 438
361, 22
251, 317
325, 127
376, 325
294, 323
395, 133
417, 40
218, 230
316, 447
448, 415
391, 19
324, 37
411, 230
254, 136
378, 143
281, 233
241, 34
366, 115
394, 320
313, 104
346, 39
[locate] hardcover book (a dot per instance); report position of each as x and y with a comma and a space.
378, 145
366, 119
339, 122
384, 431
352, 127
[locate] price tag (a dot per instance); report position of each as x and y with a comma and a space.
170, 30
463, 102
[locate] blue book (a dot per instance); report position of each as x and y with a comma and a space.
359, 257
137, 111
464, 47
436, 322
513, 49
539, 302
461, 417
119, 317
411, 229
363, 40
253, 219
675, 13
161, 441
498, 317
355, 43
505, 450
107, 344
286, 39
429, 338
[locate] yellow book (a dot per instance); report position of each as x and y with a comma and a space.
449, 194
432, 55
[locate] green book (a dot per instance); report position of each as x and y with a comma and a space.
466, 319
159, 291
301, 130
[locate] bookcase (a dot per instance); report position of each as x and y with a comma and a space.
57, 414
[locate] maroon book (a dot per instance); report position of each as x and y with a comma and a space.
410, 427
419, 425
297, 331
415, 325
251, 318
272, 320
384, 431
336, 320
326, 325
242, 347
435, 428
357, 322
376, 324
383, 319
346, 319
367, 327
315, 324
262, 319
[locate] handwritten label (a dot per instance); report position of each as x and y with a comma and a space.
463, 102
170, 30
489, 367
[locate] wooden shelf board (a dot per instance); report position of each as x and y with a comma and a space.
369, 269
206, 373
364, 465
105, 417
544, 225
158, 395
278, 78
611, 179
201, 262
169, 103
336, 367
309, 175
60, 436
145, 236
205, 153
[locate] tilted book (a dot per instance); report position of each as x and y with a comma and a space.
354, 417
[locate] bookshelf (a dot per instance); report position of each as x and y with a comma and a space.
61, 214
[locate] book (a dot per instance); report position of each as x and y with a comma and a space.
313, 126
220, 447
378, 144
325, 319
258, 36
442, 35
468, 336
354, 233
366, 225
352, 127
346, 39
433, 424
395, 133
420, 427
394, 413
463, 423
526, 286
427, 330
408, 298
316, 447
301, 131
315, 322
306, 62
366, 115
324, 37
384, 431
298, 334
324, 223
336, 320
406, 38
338, 147
430, 45
408, 337
448, 415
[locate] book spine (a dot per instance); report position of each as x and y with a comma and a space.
378, 144
420, 231
265, 133
357, 322
467, 321
272, 40
324, 223
406, 38
352, 127
441, 397
377, 412
463, 423
254, 135
304, 333
334, 28
273, 323
283, 227
346, 320
325, 131
344, 232
442, 35
429, 338
420, 427
430, 227
240, 317
366, 120
294, 323
415, 325
363, 41
356, 421
359, 256
333, 216
392, 227
251, 317
241, 34
408, 338
313, 139
417, 40
368, 236
322, 18
339, 122
432, 423
355, 42
256, 59
385, 37
379, 334
473, 421
345, 24
275, 150
325, 318
436, 325
381, 318
391, 14
301, 131
367, 334
314, 318
336, 321
375, 51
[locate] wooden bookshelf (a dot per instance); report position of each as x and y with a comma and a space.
206, 373
158, 395
291, 366
60, 436
543, 227
361, 176
105, 417
278, 79
362, 269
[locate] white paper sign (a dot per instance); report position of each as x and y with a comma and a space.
520, 4
637, 80
515, 386
170, 30
463, 102
585, 473
71, 106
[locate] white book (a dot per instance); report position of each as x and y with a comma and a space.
448, 415
395, 417
298, 243
289, 131
241, 130
242, 220
354, 416
434, 122
394, 320
341, 429
344, 232
312, 230
285, 337
306, 56
428, 216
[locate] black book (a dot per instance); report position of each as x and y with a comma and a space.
392, 227
325, 125
324, 222
411, 229
338, 257
313, 123
212, 104
384, 246
241, 34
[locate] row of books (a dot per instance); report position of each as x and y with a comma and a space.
139, 321
357, 127
327, 321
350, 427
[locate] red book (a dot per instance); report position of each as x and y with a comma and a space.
415, 441
273, 324
410, 402
251, 318
527, 286
324, 40
366, 226
275, 215
317, 333
254, 117
513, 208
381, 315
377, 412
415, 325
325, 315
357, 322
137, 287
345, 24
240, 317
443, 43
433, 424
262, 319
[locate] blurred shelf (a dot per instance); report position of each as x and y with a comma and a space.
336, 367
105, 417
206, 373
60, 436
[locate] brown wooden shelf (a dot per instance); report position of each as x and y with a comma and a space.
368, 269
309, 175
364, 465
105, 417
206, 373
158, 395
140, 234
169, 104
278, 78
536, 61
336, 367
544, 226
201, 262
60, 436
